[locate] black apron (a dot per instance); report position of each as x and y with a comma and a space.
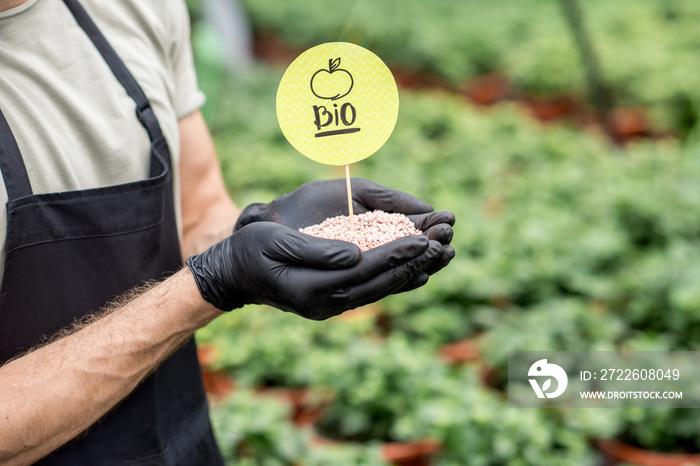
70, 253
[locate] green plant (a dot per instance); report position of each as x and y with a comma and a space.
256, 429
346, 455
557, 325
660, 429
477, 427
669, 430
260, 346
377, 384
435, 323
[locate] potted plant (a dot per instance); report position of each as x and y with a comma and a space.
254, 430
345, 455
217, 383
377, 384
276, 352
557, 325
655, 437
476, 427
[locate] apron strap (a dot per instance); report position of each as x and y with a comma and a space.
11, 164
144, 112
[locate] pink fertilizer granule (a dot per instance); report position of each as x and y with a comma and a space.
372, 229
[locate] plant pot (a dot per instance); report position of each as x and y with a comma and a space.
305, 409
467, 352
217, 384
629, 123
417, 453
551, 108
459, 352
273, 49
619, 452
417, 79
207, 354
487, 89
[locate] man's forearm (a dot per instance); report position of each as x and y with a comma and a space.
217, 225
55, 392
208, 214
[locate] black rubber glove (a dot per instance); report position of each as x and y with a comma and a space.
268, 263
316, 201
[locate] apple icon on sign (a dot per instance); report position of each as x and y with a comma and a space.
333, 83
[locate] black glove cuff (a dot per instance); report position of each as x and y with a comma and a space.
205, 278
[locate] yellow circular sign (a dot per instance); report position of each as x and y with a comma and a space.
337, 103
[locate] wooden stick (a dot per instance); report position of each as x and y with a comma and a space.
347, 182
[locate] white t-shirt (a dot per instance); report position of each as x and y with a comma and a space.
75, 125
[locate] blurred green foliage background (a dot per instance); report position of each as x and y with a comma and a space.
564, 240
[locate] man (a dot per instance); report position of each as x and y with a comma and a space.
99, 138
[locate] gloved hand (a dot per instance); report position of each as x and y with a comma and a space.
268, 263
316, 201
